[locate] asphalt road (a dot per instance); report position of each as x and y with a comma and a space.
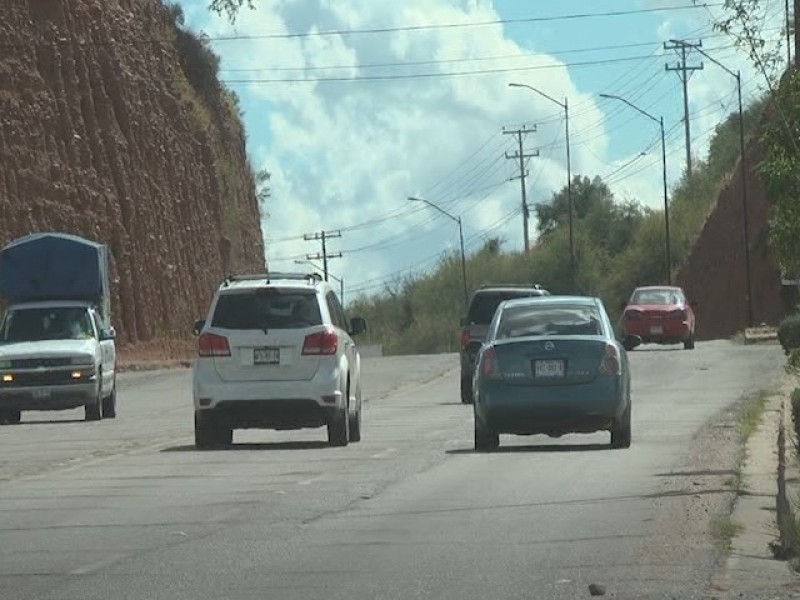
127, 509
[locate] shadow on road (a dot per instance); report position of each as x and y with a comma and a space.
47, 422
536, 448
697, 473
251, 446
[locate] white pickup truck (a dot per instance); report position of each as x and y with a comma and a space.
57, 348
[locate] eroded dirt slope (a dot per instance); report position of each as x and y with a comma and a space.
102, 134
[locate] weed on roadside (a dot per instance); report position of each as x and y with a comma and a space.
724, 529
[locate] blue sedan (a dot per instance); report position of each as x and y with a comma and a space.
551, 365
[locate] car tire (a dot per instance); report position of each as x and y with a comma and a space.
208, 434
466, 390
10, 417
94, 411
355, 427
110, 404
628, 345
486, 440
689, 344
621, 433
339, 429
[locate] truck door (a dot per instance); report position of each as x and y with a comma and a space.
107, 355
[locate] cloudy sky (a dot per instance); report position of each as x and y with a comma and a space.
351, 122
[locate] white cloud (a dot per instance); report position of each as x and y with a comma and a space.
345, 153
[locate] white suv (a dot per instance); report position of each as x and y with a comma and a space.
276, 352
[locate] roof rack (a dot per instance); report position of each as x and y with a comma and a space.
535, 286
267, 277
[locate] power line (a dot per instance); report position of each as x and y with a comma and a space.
587, 63
401, 28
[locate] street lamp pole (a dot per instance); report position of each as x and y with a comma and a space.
318, 268
565, 106
745, 225
461, 239
660, 122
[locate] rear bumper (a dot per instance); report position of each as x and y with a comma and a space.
557, 410
671, 331
270, 404
51, 397
272, 414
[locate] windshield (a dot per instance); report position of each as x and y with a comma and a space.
267, 308
560, 319
37, 324
484, 306
657, 296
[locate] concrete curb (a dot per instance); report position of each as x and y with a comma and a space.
763, 512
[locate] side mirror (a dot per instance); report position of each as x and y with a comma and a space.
198, 326
357, 326
108, 334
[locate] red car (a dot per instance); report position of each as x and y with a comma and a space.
658, 315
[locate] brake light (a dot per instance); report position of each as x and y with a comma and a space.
489, 367
464, 338
678, 314
611, 362
322, 343
211, 344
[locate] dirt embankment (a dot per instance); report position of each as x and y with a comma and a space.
714, 273
112, 126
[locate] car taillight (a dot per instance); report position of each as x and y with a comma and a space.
322, 343
211, 344
611, 362
464, 338
633, 314
489, 367
678, 314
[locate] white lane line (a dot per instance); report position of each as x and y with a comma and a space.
96, 566
310, 480
385, 453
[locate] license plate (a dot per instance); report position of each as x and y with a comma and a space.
548, 368
40, 394
266, 356
656, 330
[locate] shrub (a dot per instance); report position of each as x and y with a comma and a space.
796, 410
789, 333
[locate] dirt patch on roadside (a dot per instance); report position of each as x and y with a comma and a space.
156, 354
693, 525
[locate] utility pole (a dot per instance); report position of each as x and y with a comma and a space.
796, 37
684, 72
323, 256
522, 156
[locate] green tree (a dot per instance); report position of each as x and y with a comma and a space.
230, 8
586, 194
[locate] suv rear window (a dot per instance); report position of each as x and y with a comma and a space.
484, 305
267, 308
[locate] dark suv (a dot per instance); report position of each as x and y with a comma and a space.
482, 306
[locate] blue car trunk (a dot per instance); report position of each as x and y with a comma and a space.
552, 361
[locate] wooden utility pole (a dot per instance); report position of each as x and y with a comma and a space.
521, 156
796, 23
684, 72
323, 256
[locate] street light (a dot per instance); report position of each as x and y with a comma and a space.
738, 76
660, 121
461, 238
565, 106
318, 268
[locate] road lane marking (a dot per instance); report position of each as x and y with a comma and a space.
385, 453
